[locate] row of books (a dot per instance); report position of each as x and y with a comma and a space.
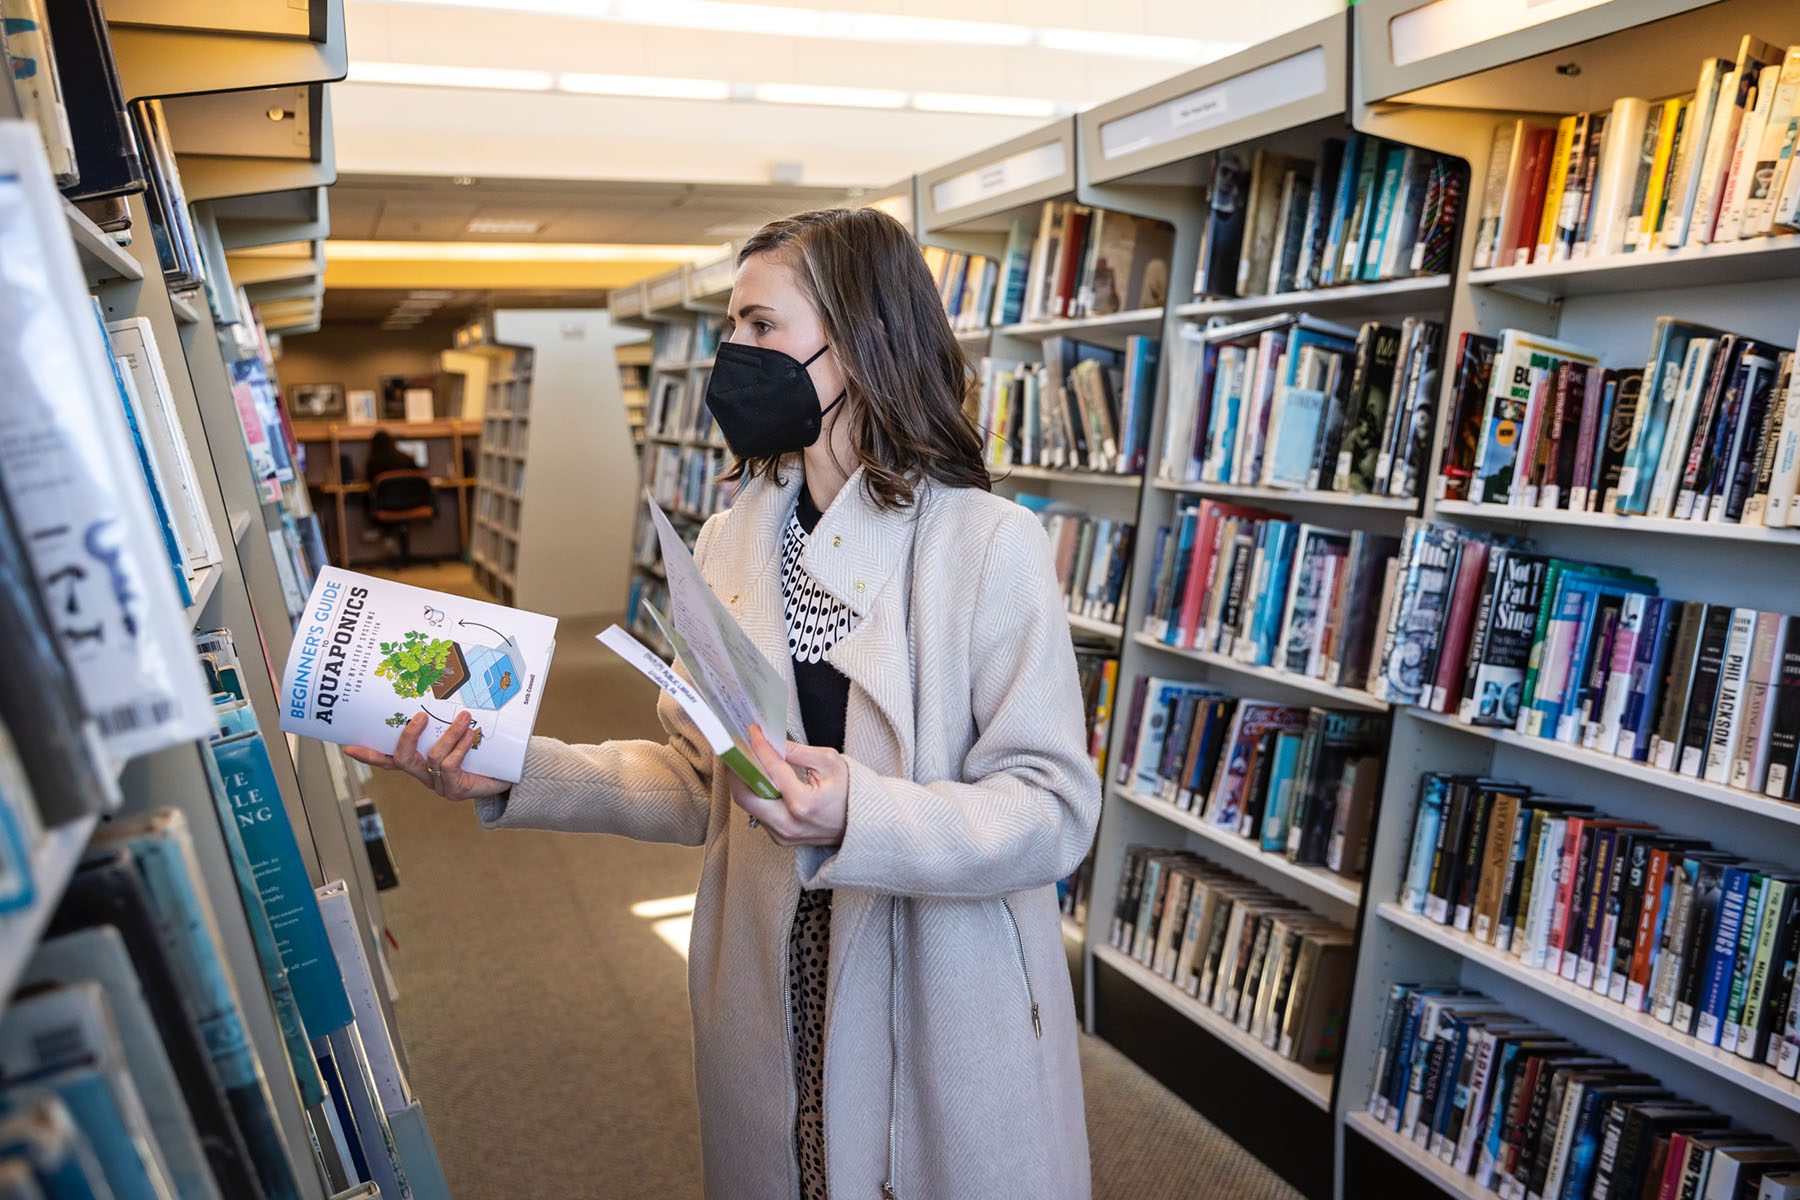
1658, 922
1705, 167
966, 285
1082, 262
1267, 591
1278, 971
100, 149
1703, 432
1300, 783
1292, 402
678, 409
1591, 655
677, 343
1524, 1111
1082, 408
1098, 671
685, 480
1362, 210
1092, 556
647, 592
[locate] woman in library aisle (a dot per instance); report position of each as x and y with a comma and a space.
881, 1002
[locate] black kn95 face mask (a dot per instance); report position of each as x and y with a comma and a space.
764, 401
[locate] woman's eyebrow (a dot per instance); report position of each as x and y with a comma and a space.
747, 309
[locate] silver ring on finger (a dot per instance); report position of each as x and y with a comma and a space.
437, 776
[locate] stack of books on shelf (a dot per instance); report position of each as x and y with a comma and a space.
1083, 408
1099, 674
1707, 431
1092, 557
673, 347
1524, 1111
1657, 922
1279, 972
1258, 589
1592, 656
678, 409
1082, 262
966, 285
1072, 893
1702, 168
1294, 782
686, 481
1362, 210
1294, 403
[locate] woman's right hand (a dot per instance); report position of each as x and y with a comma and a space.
440, 768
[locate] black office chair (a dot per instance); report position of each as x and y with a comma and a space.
397, 501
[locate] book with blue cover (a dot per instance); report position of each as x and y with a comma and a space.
40, 1132
1721, 954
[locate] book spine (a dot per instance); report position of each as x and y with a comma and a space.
1721, 951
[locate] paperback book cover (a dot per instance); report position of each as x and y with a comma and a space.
369, 653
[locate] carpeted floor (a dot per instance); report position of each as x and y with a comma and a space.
547, 1022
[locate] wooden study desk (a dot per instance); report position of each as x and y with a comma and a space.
336, 452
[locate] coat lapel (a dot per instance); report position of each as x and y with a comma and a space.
862, 555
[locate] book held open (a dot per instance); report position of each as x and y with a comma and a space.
730, 686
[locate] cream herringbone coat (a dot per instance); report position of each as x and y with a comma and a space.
970, 795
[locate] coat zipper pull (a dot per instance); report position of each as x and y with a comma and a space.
887, 1190
1037, 1026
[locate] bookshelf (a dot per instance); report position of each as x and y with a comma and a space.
1446, 85
683, 452
553, 483
161, 52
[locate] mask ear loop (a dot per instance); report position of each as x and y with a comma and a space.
824, 412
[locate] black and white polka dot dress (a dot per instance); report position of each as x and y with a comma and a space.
815, 622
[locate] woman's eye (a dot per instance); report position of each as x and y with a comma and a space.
763, 328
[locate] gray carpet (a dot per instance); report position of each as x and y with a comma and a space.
548, 1026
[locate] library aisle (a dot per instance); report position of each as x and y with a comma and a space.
543, 997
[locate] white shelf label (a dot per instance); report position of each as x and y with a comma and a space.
1008, 174
1446, 25
1258, 90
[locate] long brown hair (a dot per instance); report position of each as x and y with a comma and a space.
904, 371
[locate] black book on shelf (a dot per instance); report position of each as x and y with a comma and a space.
1703, 690
106, 146
107, 891
1784, 721
1222, 238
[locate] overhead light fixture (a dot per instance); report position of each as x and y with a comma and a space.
428, 75
502, 225
658, 87
986, 106
347, 251
828, 97
776, 20
1192, 51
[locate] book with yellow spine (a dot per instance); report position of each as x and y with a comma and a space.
1553, 189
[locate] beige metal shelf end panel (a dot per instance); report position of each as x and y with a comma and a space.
217, 176
663, 295
249, 269
1275, 85
706, 286
1505, 54
267, 218
159, 58
901, 202
998, 182
626, 303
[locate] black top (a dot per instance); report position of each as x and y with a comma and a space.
815, 621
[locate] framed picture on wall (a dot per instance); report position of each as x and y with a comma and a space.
316, 401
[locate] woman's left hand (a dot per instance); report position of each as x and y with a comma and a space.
814, 782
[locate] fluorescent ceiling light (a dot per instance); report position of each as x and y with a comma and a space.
345, 251
427, 75
725, 16
645, 85
1136, 45
502, 225
987, 106
828, 97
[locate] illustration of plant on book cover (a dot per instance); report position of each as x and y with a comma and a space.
370, 653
